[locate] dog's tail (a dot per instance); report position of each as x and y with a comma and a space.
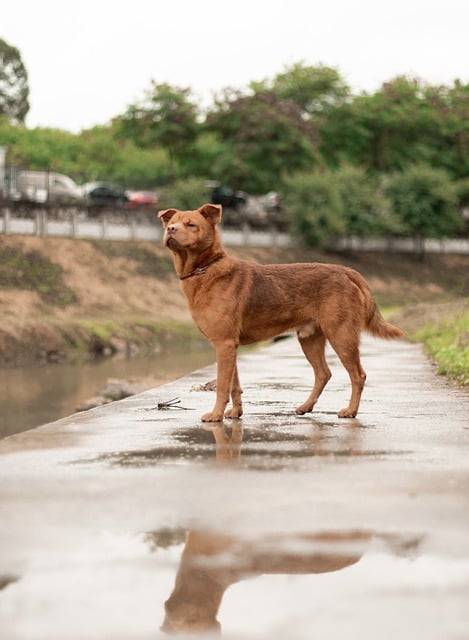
378, 326
374, 321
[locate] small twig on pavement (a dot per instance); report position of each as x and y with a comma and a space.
174, 403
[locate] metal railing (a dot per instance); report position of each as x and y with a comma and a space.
77, 225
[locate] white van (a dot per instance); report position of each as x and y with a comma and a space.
44, 186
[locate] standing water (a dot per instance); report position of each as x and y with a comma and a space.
34, 395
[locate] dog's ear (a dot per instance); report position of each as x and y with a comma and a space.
166, 215
211, 212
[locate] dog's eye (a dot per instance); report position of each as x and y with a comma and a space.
190, 224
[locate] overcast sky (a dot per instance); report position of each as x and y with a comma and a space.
88, 60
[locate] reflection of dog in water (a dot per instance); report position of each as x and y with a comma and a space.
211, 562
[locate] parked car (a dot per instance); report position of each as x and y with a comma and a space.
104, 194
242, 209
233, 203
42, 187
141, 199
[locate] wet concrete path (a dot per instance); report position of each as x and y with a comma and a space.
276, 526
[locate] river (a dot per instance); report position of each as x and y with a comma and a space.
35, 395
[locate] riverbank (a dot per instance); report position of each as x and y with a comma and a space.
63, 299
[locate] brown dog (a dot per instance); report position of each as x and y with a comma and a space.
235, 302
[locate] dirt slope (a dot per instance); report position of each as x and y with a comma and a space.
63, 296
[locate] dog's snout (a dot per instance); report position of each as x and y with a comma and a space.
172, 228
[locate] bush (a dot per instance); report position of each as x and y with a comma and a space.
366, 209
425, 200
314, 204
185, 194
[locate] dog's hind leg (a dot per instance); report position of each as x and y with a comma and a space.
346, 344
236, 410
313, 346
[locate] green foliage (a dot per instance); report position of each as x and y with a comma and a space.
462, 188
34, 272
314, 203
104, 155
41, 148
405, 121
451, 128
94, 154
448, 344
366, 209
302, 119
166, 117
267, 135
14, 89
316, 90
207, 158
185, 194
425, 200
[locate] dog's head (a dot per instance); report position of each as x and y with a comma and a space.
190, 230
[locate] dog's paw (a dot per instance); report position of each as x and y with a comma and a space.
347, 413
234, 413
212, 417
304, 408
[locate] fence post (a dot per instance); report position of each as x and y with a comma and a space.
41, 223
73, 224
246, 232
6, 221
274, 235
103, 226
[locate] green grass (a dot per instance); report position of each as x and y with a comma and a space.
448, 343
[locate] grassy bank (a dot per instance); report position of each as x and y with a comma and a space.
448, 344
443, 327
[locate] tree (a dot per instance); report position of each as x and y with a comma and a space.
185, 194
383, 131
314, 204
267, 136
166, 117
451, 104
94, 154
426, 201
366, 209
14, 89
316, 90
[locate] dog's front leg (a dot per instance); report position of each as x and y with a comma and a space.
236, 410
226, 366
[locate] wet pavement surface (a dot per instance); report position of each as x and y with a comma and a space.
275, 526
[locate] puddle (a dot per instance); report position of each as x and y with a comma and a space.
264, 448
212, 564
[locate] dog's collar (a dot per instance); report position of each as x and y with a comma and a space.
201, 270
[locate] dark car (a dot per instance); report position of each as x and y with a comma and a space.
227, 197
104, 194
233, 203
